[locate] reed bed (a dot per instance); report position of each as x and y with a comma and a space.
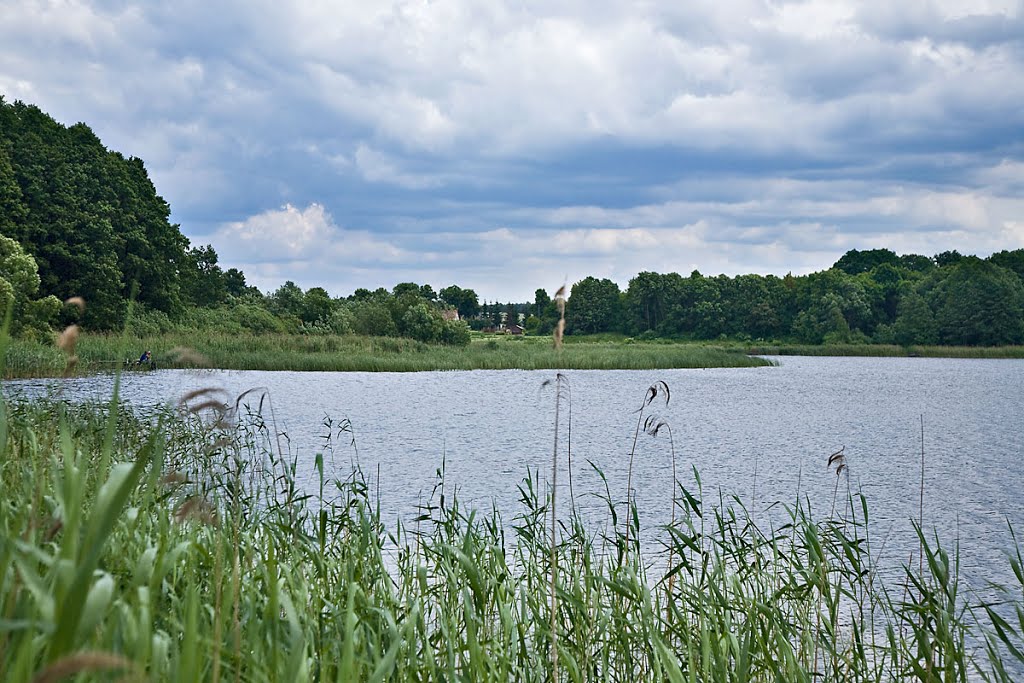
367, 354
886, 350
181, 548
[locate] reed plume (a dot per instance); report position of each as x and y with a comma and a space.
560, 326
659, 388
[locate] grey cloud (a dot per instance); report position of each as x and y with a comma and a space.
766, 132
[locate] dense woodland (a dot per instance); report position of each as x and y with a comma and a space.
79, 220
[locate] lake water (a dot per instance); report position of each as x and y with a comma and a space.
781, 422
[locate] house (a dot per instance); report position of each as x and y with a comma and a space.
449, 315
514, 328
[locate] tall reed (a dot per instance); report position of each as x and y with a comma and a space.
184, 547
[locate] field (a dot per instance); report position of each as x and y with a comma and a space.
179, 548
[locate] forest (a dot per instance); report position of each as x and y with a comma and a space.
79, 220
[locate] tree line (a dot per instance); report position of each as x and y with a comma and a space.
78, 220
866, 296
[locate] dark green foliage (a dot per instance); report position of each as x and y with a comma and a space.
916, 263
234, 283
1011, 260
203, 283
978, 303
421, 323
90, 217
915, 321
256, 319
855, 262
373, 318
594, 306
463, 300
948, 258
317, 306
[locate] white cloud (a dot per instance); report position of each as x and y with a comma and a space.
304, 245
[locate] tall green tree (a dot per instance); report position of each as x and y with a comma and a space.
463, 300
855, 262
915, 321
202, 282
594, 306
978, 303
1011, 260
90, 217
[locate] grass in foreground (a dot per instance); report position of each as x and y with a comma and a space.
370, 354
183, 550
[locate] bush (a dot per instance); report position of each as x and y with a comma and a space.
256, 319
145, 322
455, 333
341, 321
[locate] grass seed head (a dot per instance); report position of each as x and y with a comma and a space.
69, 339
197, 509
76, 301
187, 356
81, 662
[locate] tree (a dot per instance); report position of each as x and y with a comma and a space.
511, 315
422, 323
915, 322
202, 281
317, 306
463, 300
1011, 260
234, 283
90, 217
287, 301
978, 303
645, 301
19, 285
594, 306
855, 262
917, 263
372, 317
819, 295
540, 302
405, 289
948, 258
12, 209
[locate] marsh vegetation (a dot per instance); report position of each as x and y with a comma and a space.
181, 547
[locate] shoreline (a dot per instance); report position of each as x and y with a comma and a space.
332, 353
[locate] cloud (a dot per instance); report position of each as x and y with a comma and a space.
498, 144
378, 167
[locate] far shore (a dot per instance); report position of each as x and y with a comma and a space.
106, 353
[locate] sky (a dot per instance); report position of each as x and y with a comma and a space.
508, 146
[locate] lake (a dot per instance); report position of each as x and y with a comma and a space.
761, 434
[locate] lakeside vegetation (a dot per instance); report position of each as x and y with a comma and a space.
81, 223
99, 353
885, 350
182, 548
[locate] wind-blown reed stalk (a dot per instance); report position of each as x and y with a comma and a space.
659, 388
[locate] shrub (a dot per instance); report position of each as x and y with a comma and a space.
256, 319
